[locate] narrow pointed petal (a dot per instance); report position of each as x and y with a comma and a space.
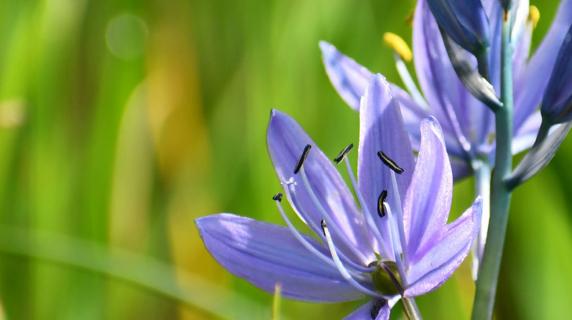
286, 141
541, 64
351, 81
433, 267
266, 254
428, 199
523, 39
474, 82
524, 137
464, 21
373, 310
540, 156
381, 129
557, 102
348, 77
461, 116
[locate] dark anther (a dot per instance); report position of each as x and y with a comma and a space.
302, 158
377, 305
390, 163
381, 202
343, 153
277, 197
324, 226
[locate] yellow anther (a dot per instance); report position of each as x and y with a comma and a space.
533, 16
398, 45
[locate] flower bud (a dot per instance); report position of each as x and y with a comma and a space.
557, 102
464, 21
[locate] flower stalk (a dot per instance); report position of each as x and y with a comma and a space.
411, 309
501, 194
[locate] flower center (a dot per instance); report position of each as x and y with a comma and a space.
386, 277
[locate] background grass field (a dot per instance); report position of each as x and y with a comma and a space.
123, 121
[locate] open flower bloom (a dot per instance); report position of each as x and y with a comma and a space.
395, 244
468, 125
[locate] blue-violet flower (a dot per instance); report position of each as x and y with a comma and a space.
398, 234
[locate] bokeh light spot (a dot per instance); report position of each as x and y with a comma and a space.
126, 36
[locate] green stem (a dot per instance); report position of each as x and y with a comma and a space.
482, 189
500, 198
411, 309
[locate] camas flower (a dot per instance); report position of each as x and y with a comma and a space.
395, 244
468, 125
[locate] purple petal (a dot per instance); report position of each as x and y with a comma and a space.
351, 81
459, 113
557, 101
266, 254
526, 134
368, 311
464, 21
461, 168
431, 268
286, 141
428, 199
381, 129
541, 64
348, 77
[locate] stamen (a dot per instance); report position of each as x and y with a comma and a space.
399, 218
323, 212
397, 44
402, 54
380, 202
297, 234
341, 156
277, 197
533, 16
368, 217
393, 238
300, 163
303, 240
343, 271
409, 82
390, 163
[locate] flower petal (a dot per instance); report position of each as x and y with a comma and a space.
351, 81
459, 113
378, 310
430, 269
381, 129
540, 67
428, 199
266, 254
286, 142
464, 21
557, 101
526, 134
348, 77
541, 155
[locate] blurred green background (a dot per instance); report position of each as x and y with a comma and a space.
123, 121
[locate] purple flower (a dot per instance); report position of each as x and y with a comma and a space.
557, 102
464, 21
395, 243
468, 125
